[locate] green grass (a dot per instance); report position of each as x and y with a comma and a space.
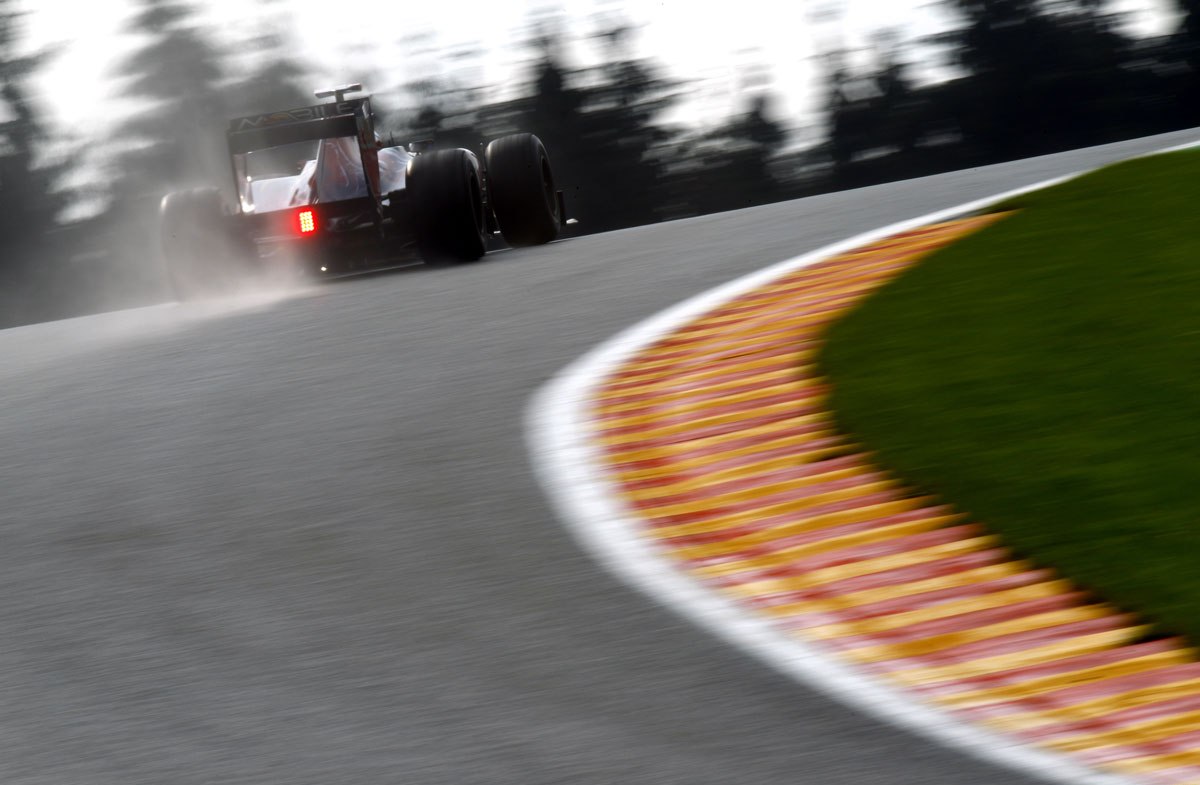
1044, 376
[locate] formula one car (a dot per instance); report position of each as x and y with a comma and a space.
319, 192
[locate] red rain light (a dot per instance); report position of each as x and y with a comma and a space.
306, 221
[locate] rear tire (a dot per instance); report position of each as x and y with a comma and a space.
521, 190
446, 198
202, 253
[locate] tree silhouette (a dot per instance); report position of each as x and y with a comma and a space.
730, 167
176, 141
28, 201
1034, 77
600, 125
1039, 79
1184, 48
275, 79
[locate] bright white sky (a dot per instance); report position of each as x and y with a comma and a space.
716, 42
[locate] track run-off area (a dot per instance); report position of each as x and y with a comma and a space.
297, 537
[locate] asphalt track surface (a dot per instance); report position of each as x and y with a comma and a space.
297, 539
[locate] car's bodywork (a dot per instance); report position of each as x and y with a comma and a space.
345, 184
318, 190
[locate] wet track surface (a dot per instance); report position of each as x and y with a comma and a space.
298, 541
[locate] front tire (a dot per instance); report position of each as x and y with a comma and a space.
446, 197
521, 190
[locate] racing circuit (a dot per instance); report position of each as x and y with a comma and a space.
296, 538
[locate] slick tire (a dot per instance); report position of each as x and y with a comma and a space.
521, 190
202, 255
446, 195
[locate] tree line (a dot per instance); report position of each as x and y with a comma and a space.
1021, 78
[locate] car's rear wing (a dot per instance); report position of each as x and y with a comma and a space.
273, 136
340, 118
321, 121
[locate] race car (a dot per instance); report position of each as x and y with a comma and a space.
318, 192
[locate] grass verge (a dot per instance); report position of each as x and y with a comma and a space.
1044, 376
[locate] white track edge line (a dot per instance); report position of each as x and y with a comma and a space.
568, 465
